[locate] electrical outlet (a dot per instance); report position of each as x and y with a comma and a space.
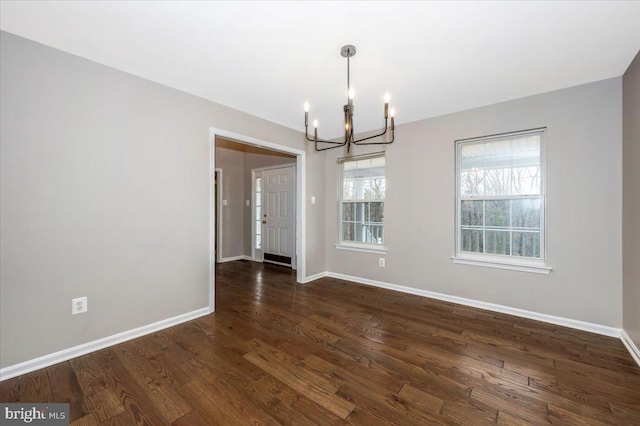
79, 305
248, 203
381, 262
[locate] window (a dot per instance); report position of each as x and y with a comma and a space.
362, 200
500, 200
258, 217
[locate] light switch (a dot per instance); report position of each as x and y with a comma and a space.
224, 202
313, 199
248, 203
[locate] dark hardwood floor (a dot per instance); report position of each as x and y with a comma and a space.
334, 352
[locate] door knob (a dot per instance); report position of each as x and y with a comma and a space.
264, 222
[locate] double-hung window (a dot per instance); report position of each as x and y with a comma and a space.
362, 195
500, 201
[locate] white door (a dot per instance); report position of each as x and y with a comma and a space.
279, 219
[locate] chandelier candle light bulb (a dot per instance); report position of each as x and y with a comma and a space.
347, 52
387, 97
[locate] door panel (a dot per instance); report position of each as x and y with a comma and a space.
279, 215
283, 241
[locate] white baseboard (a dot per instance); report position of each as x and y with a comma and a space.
76, 351
234, 258
66, 354
566, 322
631, 347
315, 277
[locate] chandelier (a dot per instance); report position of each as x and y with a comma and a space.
348, 51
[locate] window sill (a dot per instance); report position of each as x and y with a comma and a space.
365, 248
535, 267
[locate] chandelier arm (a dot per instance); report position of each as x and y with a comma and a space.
359, 141
393, 135
330, 147
306, 131
323, 141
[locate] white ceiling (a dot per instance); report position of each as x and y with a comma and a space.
267, 58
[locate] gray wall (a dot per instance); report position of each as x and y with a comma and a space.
236, 161
631, 199
231, 161
105, 193
584, 199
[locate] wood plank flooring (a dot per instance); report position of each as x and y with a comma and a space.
332, 352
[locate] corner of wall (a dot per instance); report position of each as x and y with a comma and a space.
631, 206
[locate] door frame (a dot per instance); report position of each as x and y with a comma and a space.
218, 217
300, 198
294, 258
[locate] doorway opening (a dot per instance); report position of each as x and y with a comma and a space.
228, 197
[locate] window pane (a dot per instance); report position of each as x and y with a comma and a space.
496, 213
526, 244
377, 189
471, 240
497, 181
348, 231
472, 183
360, 211
363, 167
378, 163
526, 180
497, 242
349, 172
471, 213
374, 234
348, 211
506, 166
377, 167
376, 212
525, 213
258, 213
472, 156
525, 151
360, 188
349, 189
497, 153
363, 179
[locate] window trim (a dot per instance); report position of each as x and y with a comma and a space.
358, 245
361, 247
509, 262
